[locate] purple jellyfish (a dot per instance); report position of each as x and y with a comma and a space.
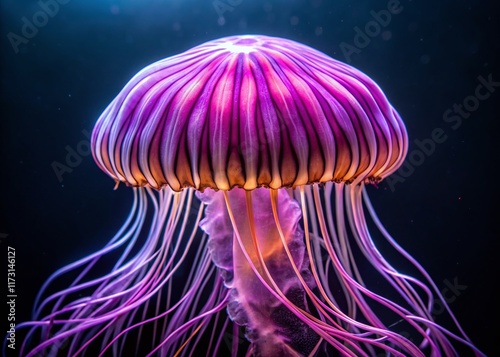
248, 157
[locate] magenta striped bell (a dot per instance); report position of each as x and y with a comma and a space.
251, 231
249, 111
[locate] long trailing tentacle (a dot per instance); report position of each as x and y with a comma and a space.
343, 257
429, 285
151, 252
304, 254
341, 246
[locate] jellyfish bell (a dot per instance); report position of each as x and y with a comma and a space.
276, 141
248, 112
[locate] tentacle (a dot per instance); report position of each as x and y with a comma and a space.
136, 299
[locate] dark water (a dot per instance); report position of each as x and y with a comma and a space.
437, 63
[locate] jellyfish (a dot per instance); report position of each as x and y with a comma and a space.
251, 231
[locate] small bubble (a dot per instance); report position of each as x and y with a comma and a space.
318, 31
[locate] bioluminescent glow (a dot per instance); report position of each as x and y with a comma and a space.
248, 157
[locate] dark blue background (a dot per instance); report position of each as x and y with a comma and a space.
428, 57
